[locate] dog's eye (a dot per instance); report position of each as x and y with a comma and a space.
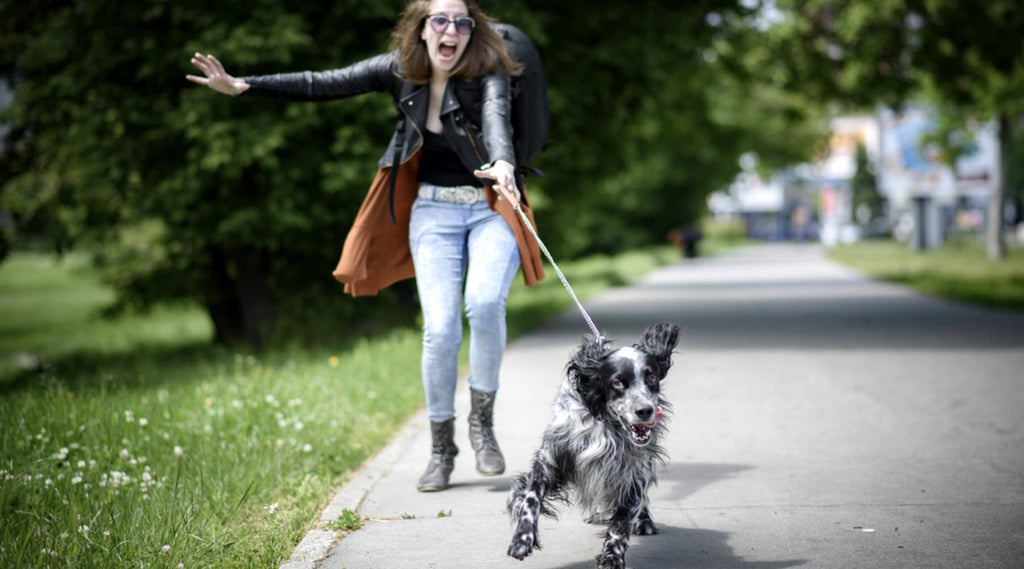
651, 379
617, 384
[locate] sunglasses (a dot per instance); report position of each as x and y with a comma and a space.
439, 22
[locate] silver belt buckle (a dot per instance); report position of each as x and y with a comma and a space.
460, 194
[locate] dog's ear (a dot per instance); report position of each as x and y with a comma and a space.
584, 369
659, 340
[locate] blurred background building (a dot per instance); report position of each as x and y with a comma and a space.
918, 196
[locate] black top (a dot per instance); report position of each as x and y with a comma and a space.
439, 165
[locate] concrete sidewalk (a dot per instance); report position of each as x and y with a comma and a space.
822, 420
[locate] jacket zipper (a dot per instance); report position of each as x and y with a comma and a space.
413, 123
469, 135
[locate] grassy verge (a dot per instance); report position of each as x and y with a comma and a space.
137, 444
958, 271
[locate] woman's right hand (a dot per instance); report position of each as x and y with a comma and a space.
215, 76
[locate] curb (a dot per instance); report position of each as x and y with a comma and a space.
317, 543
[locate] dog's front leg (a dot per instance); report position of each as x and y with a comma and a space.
616, 542
525, 504
616, 539
643, 524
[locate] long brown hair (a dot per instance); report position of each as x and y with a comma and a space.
485, 53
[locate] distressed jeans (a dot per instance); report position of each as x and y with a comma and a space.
461, 250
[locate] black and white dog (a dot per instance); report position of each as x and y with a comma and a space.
601, 445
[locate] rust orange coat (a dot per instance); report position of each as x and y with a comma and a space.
376, 252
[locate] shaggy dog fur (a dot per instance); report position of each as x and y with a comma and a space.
601, 445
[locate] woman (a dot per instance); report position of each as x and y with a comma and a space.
428, 213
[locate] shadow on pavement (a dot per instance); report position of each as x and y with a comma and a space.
693, 549
501, 485
678, 548
685, 479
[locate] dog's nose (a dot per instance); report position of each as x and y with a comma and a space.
645, 413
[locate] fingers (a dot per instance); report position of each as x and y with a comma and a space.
216, 64
209, 64
203, 64
510, 193
200, 80
500, 176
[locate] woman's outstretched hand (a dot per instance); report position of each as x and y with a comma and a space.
215, 77
504, 176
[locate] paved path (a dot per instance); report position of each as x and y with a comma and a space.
822, 420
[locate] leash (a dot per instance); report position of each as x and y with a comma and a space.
565, 282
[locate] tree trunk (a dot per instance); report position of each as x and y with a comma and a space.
994, 239
238, 301
258, 313
221, 304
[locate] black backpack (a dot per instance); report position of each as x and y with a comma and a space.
529, 97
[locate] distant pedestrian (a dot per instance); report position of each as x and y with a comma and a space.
429, 213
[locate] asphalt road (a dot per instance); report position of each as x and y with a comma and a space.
822, 420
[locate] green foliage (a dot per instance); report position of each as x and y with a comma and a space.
242, 204
864, 185
348, 521
965, 57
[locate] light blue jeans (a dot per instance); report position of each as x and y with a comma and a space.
461, 249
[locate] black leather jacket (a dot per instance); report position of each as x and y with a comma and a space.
476, 114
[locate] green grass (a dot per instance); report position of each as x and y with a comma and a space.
48, 309
958, 271
136, 443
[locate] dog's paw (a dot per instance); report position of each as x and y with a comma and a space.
522, 545
611, 561
644, 527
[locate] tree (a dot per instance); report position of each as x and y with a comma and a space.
243, 204
864, 186
187, 194
961, 55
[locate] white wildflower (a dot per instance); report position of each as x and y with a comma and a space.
178, 451
125, 454
166, 549
307, 447
271, 509
84, 530
143, 422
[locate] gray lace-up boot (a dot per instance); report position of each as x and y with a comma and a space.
442, 457
489, 460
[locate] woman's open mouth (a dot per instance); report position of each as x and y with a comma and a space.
447, 49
